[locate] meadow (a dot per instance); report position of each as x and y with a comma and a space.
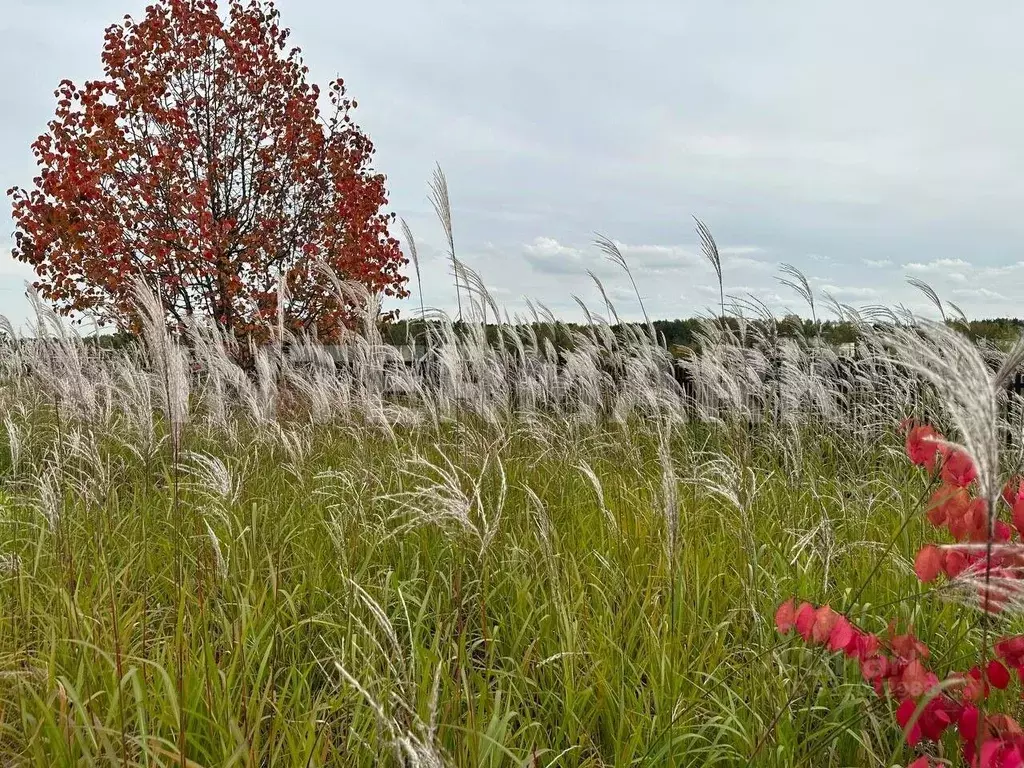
519, 561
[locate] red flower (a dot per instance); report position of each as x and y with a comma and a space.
976, 520
1002, 746
976, 687
897, 667
1000, 753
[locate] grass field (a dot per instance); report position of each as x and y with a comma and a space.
299, 571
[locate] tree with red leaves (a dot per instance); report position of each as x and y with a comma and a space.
201, 162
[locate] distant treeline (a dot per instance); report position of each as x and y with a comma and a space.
673, 333
686, 333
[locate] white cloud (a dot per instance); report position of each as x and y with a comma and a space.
978, 293
548, 255
937, 265
877, 263
548, 247
851, 291
740, 250
994, 272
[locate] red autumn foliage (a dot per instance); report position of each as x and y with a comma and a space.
896, 666
1013, 491
201, 162
922, 445
1018, 515
958, 468
929, 563
984, 558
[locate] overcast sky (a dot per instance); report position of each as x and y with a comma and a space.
861, 142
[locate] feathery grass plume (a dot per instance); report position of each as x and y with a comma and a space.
588, 472
479, 297
58, 360
929, 293
86, 472
14, 443
413, 745
212, 476
604, 296
7, 329
410, 242
439, 498
442, 207
669, 490
612, 252
49, 496
166, 358
796, 280
844, 312
213, 482
709, 248
822, 541
960, 316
